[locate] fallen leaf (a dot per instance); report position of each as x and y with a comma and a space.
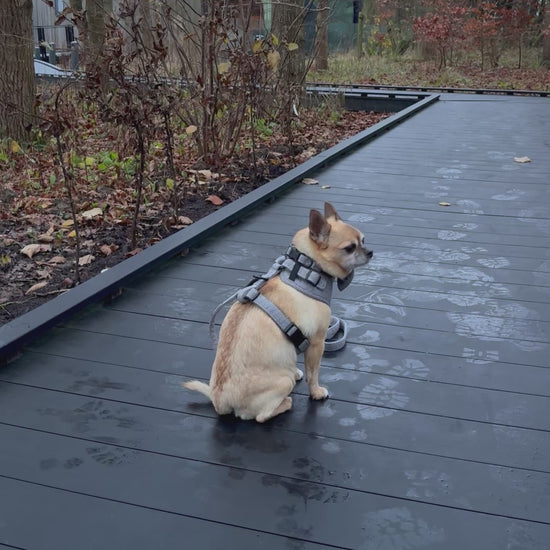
522, 159
66, 283
325, 187
86, 260
184, 220
215, 200
45, 238
93, 213
36, 287
205, 174
133, 252
15, 147
442, 203
68, 223
310, 181
72, 234
43, 273
31, 249
291, 46
190, 129
105, 249
57, 260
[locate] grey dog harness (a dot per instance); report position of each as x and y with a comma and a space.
303, 274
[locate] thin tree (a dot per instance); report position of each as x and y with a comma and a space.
17, 88
546, 36
321, 59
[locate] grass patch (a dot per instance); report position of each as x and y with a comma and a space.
411, 70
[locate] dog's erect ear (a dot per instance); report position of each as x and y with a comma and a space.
319, 228
330, 211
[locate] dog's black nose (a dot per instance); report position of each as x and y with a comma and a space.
369, 254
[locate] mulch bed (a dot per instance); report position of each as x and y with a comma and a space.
34, 209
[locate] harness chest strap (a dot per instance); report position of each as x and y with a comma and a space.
302, 273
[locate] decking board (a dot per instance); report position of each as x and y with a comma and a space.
437, 431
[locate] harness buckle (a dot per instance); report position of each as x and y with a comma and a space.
296, 336
247, 294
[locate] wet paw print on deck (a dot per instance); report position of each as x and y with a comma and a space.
427, 484
111, 456
69, 464
384, 396
408, 368
398, 529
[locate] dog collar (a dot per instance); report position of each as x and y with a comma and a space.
304, 274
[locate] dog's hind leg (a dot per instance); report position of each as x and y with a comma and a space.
284, 405
272, 401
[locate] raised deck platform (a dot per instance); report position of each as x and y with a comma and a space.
437, 431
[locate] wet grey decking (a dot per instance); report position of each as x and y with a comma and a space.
437, 432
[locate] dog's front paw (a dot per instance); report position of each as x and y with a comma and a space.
299, 375
318, 393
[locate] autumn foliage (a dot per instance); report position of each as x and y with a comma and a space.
486, 26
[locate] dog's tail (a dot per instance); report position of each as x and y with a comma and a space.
200, 387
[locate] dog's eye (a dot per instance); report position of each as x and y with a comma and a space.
350, 249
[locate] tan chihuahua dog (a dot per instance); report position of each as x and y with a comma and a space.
255, 366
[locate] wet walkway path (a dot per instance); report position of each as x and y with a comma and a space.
437, 432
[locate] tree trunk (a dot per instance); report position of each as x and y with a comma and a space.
546, 39
321, 58
17, 88
95, 19
288, 27
146, 23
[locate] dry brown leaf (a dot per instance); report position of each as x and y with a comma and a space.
66, 283
43, 273
36, 287
215, 200
31, 249
105, 249
86, 260
310, 181
522, 159
68, 223
45, 238
57, 260
184, 220
133, 252
205, 174
93, 213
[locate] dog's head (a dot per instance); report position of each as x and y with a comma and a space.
336, 246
